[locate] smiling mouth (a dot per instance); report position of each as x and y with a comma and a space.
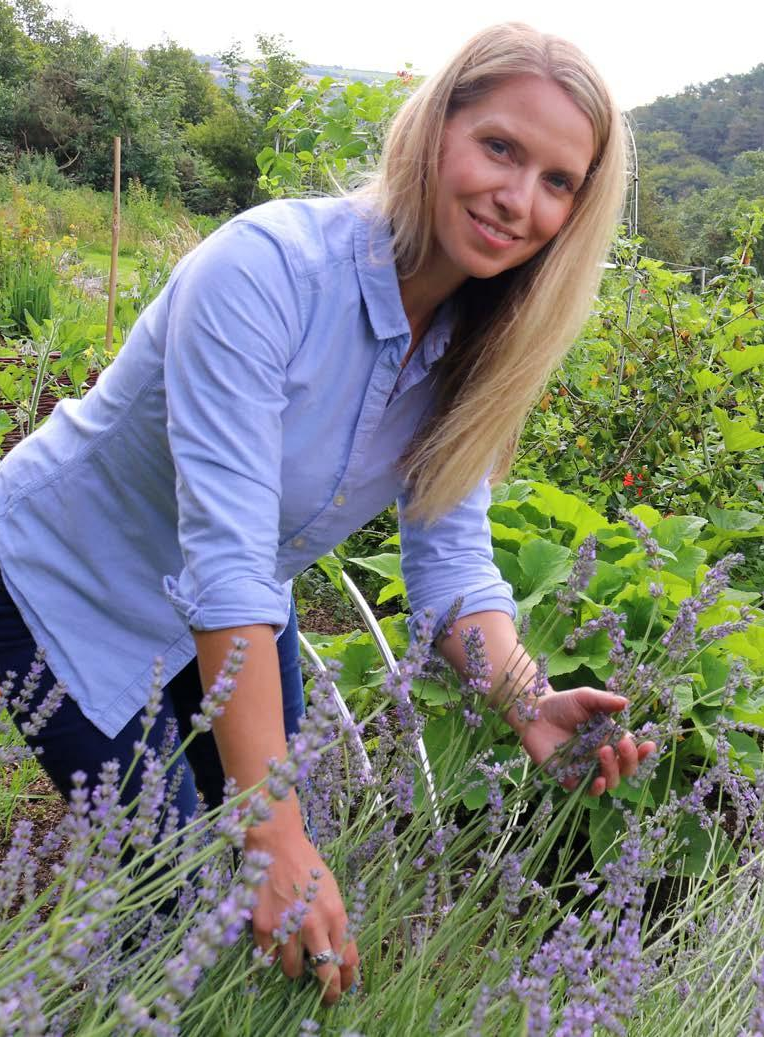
492, 229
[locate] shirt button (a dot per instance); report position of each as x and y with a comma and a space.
339, 500
298, 542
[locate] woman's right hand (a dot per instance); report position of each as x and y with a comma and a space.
295, 862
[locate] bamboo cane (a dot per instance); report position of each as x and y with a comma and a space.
114, 244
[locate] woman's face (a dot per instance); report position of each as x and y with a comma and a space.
510, 167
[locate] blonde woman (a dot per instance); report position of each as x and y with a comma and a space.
307, 364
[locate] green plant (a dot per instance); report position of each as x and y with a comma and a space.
659, 401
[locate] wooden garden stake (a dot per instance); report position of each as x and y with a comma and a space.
114, 244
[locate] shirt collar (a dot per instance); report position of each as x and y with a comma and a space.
377, 274
381, 291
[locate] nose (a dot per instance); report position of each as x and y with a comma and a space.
514, 195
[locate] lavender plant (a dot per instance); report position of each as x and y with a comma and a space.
545, 930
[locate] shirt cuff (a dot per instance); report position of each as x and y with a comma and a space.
232, 604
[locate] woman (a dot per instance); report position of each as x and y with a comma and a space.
307, 364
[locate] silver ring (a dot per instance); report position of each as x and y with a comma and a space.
322, 958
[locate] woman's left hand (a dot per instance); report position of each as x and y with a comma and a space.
559, 715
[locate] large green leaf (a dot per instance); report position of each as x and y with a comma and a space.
544, 567
394, 589
739, 435
508, 565
685, 564
739, 360
706, 379
507, 515
646, 514
747, 750
592, 652
387, 565
505, 533
6, 423
519, 490
565, 508
432, 694
749, 644
608, 580
734, 521
702, 850
673, 531
606, 824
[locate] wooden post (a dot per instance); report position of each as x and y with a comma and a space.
114, 244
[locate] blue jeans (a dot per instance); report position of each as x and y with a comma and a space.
70, 742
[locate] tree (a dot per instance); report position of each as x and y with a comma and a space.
232, 137
169, 68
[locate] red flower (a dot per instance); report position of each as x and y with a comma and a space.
628, 479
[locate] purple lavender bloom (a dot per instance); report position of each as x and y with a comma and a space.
756, 1018
513, 885
478, 669
145, 824
44, 711
21, 1009
576, 759
649, 544
291, 921
17, 861
623, 967
221, 689
581, 575
30, 684
479, 1011
679, 639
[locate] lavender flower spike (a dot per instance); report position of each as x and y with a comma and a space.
581, 575
44, 711
649, 544
221, 689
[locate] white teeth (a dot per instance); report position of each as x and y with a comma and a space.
494, 230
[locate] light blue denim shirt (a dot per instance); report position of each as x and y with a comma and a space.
253, 419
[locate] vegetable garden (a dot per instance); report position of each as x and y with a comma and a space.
632, 531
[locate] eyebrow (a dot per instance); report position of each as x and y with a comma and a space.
576, 178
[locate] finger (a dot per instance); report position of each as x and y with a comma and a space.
601, 701
645, 749
627, 757
350, 965
598, 786
293, 957
317, 941
265, 943
609, 765
329, 978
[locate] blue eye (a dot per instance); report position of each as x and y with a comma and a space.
497, 147
560, 182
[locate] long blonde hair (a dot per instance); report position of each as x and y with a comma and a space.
512, 330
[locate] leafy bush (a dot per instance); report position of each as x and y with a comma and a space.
32, 167
660, 400
537, 530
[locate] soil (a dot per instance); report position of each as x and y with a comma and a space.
322, 619
45, 808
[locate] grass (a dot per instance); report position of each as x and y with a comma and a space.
21, 786
100, 259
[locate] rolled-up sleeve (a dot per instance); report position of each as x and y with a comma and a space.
233, 324
453, 559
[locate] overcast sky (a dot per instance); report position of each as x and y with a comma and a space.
644, 48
